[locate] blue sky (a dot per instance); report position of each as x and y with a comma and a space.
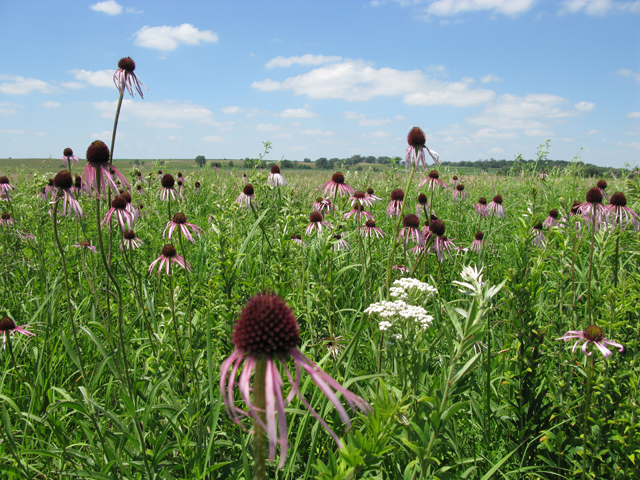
482, 78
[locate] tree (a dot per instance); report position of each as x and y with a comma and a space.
286, 164
307, 160
321, 162
230, 164
201, 161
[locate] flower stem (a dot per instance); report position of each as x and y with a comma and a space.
593, 234
259, 435
587, 404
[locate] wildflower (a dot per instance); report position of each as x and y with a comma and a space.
593, 207
322, 204
358, 210
413, 284
538, 236
401, 268
476, 245
125, 78
49, 189
124, 217
130, 241
399, 308
180, 177
411, 230
415, 151
602, 186
167, 192
168, 256
369, 229
246, 197
433, 180
371, 195
423, 205
216, 167
454, 181
5, 186
64, 183
267, 333
619, 212
78, 187
395, 205
384, 325
543, 174
316, 223
85, 246
495, 207
139, 178
459, 194
139, 189
361, 198
335, 345
297, 239
196, 187
440, 242
275, 179
160, 175
68, 156
8, 326
591, 334
139, 210
179, 221
5, 219
340, 243
97, 172
336, 186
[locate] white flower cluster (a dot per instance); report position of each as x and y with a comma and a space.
397, 336
398, 308
398, 292
384, 325
413, 283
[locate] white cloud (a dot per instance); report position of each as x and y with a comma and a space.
378, 134
296, 113
485, 133
316, 132
585, 106
633, 115
106, 134
538, 133
363, 120
73, 85
355, 80
160, 114
599, 7
99, 78
18, 85
234, 109
51, 104
267, 127
110, 7
496, 150
307, 59
626, 73
454, 7
12, 131
212, 138
167, 38
490, 78
593, 131
7, 108
134, 10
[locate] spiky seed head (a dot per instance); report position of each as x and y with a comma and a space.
167, 181
618, 199
169, 251
5, 216
575, 207
479, 236
315, 217
416, 138
129, 235
411, 221
84, 244
179, 218
359, 195
538, 226
434, 174
4, 180
98, 153
338, 178
602, 184
63, 180
454, 178
594, 196
482, 201
127, 196
197, 184
275, 169
397, 195
370, 223
266, 326
7, 324
127, 64
248, 190
119, 203
422, 199
370, 191
438, 227
593, 333
179, 183
67, 152
78, 182
460, 187
498, 199
553, 213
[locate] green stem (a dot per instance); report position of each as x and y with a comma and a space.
593, 234
259, 435
587, 405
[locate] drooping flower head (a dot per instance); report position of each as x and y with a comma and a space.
538, 237
275, 179
179, 221
168, 256
602, 186
322, 204
124, 218
97, 173
125, 78
167, 188
372, 196
481, 207
459, 194
297, 239
196, 187
552, 219
358, 211
433, 180
8, 327
267, 332
592, 334
415, 150
495, 207
85, 245
5, 186
336, 186
180, 177
423, 205
130, 241
593, 207
620, 213
316, 223
455, 181
5, 219
247, 197
476, 245
369, 229
439, 240
64, 185
361, 198
340, 243
411, 230
68, 156
395, 205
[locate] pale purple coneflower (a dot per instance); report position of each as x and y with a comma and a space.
8, 327
196, 187
369, 229
49, 189
179, 221
68, 156
266, 334
425, 227
78, 186
477, 244
140, 189
619, 212
275, 179
167, 190
5, 186
459, 194
433, 180
401, 268
5, 219
439, 240
316, 223
297, 239
322, 204
180, 186
139, 178
180, 177
124, 218
247, 197
552, 219
64, 185
361, 198
130, 207
538, 237
395, 205
130, 241
455, 181
168, 256
358, 211
340, 243
124, 78
336, 186
415, 151
423, 205
481, 207
159, 175
593, 208
411, 230
602, 186
84, 245
97, 173
591, 334
216, 167
495, 207
372, 196
544, 174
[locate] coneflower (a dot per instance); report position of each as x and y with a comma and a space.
5, 219
552, 219
477, 245
395, 205
459, 194
411, 230
620, 213
538, 237
372, 196
9, 327
433, 180
130, 241
369, 229
97, 173
602, 186
322, 204
179, 221
168, 256
297, 239
247, 197
495, 207
415, 150
336, 186
180, 177
5, 186
592, 208
139, 189
64, 185
124, 78
455, 181
439, 240
591, 335
358, 211
49, 189
275, 179
124, 218
316, 223
68, 156
167, 190
362, 199
423, 205
85, 245
160, 175
481, 207
340, 243
196, 187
